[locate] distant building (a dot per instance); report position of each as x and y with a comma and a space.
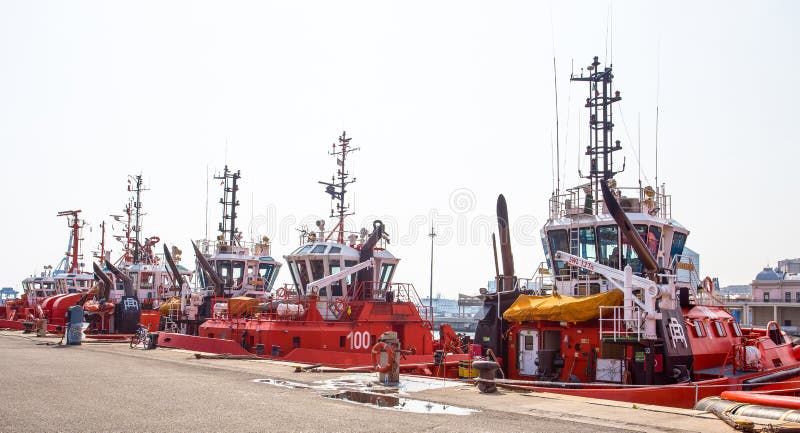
775, 297
686, 274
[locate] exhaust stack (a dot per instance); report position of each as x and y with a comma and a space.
504, 233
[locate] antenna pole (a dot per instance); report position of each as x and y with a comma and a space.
558, 151
432, 235
337, 187
75, 225
138, 187
229, 204
601, 125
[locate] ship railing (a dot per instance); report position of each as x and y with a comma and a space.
576, 202
685, 271
388, 292
615, 327
541, 283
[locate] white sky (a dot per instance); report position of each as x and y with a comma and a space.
450, 102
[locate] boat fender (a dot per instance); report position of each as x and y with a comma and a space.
376, 350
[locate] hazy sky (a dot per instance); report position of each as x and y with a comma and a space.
451, 104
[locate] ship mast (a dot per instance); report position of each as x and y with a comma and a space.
75, 225
337, 186
601, 146
229, 204
137, 189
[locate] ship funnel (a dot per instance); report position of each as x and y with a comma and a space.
177, 278
127, 283
627, 229
505, 245
219, 287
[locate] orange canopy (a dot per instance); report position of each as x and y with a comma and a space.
561, 308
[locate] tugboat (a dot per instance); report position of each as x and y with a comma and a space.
342, 300
140, 281
619, 312
49, 295
236, 275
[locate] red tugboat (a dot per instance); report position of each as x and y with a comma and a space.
342, 300
48, 297
619, 312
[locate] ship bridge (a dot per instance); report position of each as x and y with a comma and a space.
316, 260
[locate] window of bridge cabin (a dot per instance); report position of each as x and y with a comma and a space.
238, 272
720, 329
678, 242
224, 272
334, 267
654, 239
386, 274
629, 257
737, 331
265, 271
699, 329
558, 242
350, 264
766, 296
587, 243
608, 246
317, 269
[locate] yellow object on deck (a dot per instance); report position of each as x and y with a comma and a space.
561, 308
173, 303
241, 305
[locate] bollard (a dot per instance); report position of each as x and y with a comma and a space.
487, 371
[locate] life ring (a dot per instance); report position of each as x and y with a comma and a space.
376, 350
155, 239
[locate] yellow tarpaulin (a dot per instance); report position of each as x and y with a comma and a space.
561, 308
172, 302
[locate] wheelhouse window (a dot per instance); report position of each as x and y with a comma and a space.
608, 245
720, 329
334, 267
766, 296
587, 243
265, 271
304, 249
317, 269
629, 257
737, 331
350, 264
302, 275
386, 274
558, 242
699, 329
787, 296
336, 250
654, 239
678, 242
147, 280
238, 272
224, 272
319, 249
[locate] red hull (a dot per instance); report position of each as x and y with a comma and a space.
423, 364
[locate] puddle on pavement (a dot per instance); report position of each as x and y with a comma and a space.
281, 383
365, 390
407, 385
394, 402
